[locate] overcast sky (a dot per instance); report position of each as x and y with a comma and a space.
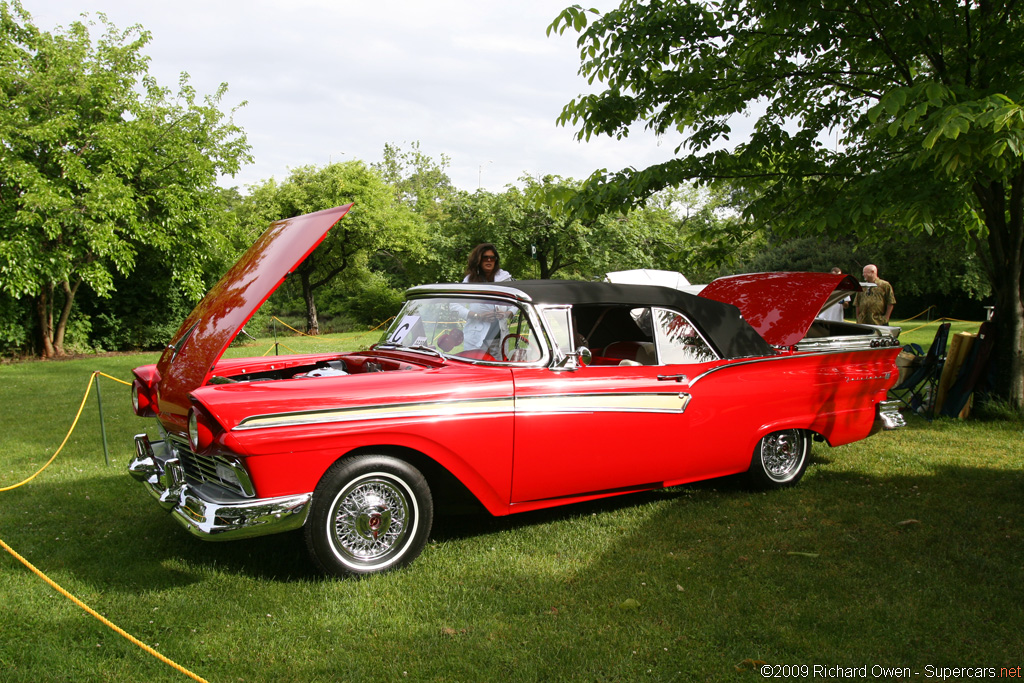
332, 80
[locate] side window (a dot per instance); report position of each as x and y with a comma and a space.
557, 320
678, 340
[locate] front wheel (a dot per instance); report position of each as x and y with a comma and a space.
779, 459
369, 514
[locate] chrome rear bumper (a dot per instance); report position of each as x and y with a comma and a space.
206, 513
888, 417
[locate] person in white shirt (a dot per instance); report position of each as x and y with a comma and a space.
486, 324
835, 311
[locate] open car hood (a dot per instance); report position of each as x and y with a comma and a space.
198, 344
781, 306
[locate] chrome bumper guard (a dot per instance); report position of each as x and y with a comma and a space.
888, 417
158, 467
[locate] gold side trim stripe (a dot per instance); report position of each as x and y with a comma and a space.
673, 402
393, 411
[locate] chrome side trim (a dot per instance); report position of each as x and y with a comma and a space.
640, 402
424, 409
770, 359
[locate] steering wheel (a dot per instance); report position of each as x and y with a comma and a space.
516, 354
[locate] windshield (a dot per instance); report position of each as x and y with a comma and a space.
465, 327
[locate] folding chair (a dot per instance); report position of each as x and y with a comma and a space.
917, 391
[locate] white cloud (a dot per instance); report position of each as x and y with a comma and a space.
327, 80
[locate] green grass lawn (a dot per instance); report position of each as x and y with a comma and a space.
904, 550
923, 332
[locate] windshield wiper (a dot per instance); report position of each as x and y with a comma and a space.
428, 349
415, 347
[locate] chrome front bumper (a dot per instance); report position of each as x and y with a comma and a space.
888, 417
199, 510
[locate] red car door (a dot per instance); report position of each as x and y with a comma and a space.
595, 430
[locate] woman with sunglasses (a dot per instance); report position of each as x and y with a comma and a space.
484, 265
485, 323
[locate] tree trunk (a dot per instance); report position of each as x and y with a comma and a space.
1008, 356
312, 323
44, 312
65, 313
1004, 257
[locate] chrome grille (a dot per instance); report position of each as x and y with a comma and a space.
200, 469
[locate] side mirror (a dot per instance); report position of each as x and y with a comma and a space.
575, 360
584, 355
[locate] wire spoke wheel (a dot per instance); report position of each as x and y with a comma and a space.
371, 518
369, 514
780, 459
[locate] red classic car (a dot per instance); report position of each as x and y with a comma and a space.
525, 394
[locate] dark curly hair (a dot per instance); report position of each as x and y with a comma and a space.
474, 272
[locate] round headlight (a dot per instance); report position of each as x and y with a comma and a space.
200, 432
193, 430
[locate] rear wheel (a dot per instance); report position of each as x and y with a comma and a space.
780, 458
369, 514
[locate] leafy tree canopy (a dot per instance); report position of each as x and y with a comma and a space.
538, 240
869, 118
97, 161
379, 221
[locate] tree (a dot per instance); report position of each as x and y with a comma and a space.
547, 242
378, 221
874, 118
97, 162
423, 185
537, 239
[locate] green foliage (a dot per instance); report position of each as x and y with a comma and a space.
915, 265
371, 299
865, 117
423, 185
418, 180
536, 239
378, 223
14, 334
100, 162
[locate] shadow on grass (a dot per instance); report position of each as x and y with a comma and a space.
110, 532
84, 524
847, 568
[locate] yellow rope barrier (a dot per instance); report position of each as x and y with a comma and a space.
53, 584
937, 321
62, 443
106, 622
382, 324
907, 320
290, 327
103, 374
275, 345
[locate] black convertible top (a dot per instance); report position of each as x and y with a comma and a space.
722, 324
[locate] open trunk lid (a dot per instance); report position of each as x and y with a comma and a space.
781, 306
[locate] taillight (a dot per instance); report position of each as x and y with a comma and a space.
200, 434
